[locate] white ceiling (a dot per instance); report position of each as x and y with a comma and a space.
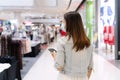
38, 7
16, 3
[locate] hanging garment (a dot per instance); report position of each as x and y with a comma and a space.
111, 35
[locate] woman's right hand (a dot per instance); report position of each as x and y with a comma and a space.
53, 55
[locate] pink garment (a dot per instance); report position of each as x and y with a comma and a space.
26, 46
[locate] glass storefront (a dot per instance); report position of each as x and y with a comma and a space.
99, 24
106, 26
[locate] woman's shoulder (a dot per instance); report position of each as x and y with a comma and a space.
90, 48
62, 40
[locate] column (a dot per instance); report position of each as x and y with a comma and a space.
89, 19
117, 30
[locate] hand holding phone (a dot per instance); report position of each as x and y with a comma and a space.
53, 55
53, 52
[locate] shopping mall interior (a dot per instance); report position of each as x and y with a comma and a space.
29, 28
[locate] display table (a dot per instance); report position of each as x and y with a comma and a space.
3, 75
35, 45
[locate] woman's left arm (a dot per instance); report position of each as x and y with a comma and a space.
90, 67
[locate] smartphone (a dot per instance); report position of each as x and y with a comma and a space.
52, 50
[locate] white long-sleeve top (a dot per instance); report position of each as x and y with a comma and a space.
73, 63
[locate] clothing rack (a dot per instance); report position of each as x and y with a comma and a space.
11, 48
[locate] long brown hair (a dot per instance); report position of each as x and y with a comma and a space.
75, 30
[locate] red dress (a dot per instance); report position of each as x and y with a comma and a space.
111, 35
105, 34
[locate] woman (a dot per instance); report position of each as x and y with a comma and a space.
74, 52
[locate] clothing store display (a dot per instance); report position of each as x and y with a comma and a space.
106, 9
1, 30
4, 46
5, 43
35, 35
35, 45
17, 52
26, 47
51, 34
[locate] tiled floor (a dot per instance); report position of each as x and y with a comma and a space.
43, 69
109, 56
28, 62
103, 70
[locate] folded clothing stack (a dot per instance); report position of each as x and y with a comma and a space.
4, 66
10, 73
